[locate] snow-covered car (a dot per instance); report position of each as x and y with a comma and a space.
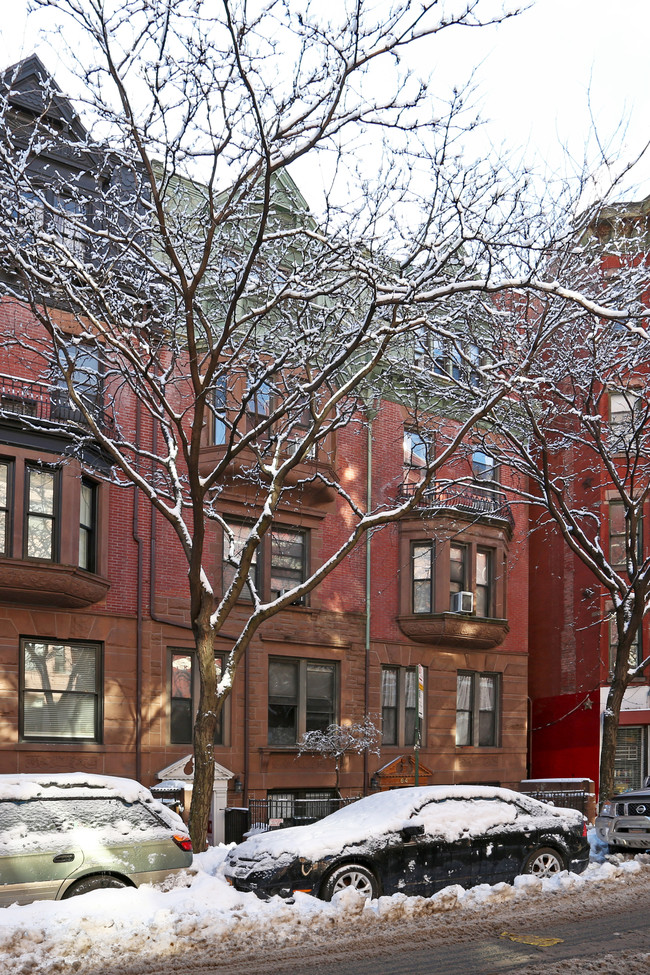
62, 835
624, 822
414, 841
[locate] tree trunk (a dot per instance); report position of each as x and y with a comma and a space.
204, 728
608, 750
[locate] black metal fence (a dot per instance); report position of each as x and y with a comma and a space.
578, 799
277, 812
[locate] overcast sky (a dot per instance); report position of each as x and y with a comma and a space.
540, 75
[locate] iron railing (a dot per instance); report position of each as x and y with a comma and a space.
568, 799
39, 401
479, 501
277, 812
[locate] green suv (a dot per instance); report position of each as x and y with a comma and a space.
62, 835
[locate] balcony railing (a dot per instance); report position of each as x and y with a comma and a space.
473, 498
39, 401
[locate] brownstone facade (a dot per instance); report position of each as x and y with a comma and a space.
128, 612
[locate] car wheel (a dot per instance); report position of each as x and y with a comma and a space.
98, 882
350, 875
544, 862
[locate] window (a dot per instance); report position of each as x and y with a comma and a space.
6, 470
60, 690
399, 687
87, 525
636, 649
220, 430
232, 550
457, 570
484, 469
183, 698
302, 697
415, 455
422, 577
87, 381
259, 404
630, 764
301, 805
279, 564
622, 409
67, 221
41, 487
446, 358
288, 560
619, 537
477, 709
484, 575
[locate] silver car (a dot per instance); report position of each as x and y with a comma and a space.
624, 822
62, 835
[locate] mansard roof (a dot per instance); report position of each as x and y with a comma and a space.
29, 87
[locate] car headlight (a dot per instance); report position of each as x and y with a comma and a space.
608, 810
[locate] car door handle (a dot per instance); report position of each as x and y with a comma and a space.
63, 858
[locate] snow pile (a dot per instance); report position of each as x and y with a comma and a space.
200, 911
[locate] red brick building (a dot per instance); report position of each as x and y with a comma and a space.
572, 637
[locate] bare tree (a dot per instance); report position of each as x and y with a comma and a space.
338, 740
200, 287
579, 436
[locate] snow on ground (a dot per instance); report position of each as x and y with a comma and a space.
200, 910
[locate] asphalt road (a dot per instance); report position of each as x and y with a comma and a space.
599, 929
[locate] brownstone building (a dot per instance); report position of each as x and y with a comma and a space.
97, 668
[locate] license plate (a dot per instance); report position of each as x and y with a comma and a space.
637, 831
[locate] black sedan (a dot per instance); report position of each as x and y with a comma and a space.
414, 841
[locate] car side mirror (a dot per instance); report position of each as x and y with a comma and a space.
409, 832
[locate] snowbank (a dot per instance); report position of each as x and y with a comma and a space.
201, 911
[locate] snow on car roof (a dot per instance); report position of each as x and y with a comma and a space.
469, 810
21, 787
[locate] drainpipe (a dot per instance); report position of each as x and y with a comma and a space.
247, 682
139, 624
368, 580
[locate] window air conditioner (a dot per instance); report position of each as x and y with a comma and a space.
462, 602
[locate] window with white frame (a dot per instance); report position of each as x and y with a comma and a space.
623, 407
